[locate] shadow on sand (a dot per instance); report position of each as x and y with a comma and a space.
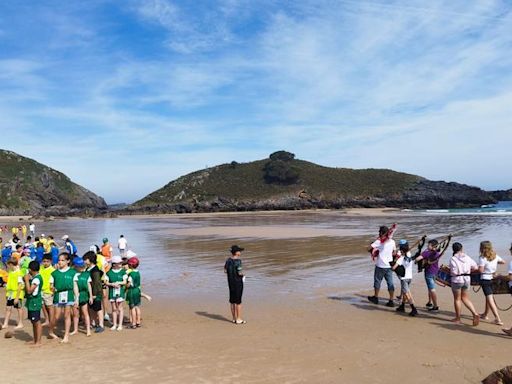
213, 316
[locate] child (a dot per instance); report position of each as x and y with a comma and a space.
116, 281
33, 285
488, 263
65, 295
83, 281
96, 290
133, 295
233, 270
406, 261
461, 266
15, 292
47, 289
430, 259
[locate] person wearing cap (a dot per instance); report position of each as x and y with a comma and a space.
406, 261
84, 283
106, 249
70, 246
233, 270
133, 292
116, 280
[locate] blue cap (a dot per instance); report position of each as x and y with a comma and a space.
402, 242
78, 262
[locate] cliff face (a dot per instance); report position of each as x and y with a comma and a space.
30, 188
289, 184
502, 195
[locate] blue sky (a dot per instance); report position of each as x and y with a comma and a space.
124, 96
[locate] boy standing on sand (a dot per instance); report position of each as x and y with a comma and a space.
386, 248
33, 286
233, 269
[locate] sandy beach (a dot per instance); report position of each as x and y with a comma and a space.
329, 339
308, 319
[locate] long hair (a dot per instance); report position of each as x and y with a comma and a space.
486, 250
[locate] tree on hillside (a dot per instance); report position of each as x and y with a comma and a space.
282, 155
280, 172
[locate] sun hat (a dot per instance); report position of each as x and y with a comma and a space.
117, 259
78, 262
133, 262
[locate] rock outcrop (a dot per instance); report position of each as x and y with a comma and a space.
30, 188
297, 184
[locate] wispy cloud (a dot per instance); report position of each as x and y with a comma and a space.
158, 88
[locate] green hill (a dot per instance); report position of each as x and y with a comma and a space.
28, 187
283, 182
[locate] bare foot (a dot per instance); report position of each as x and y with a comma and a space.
507, 331
484, 317
456, 321
19, 326
53, 336
73, 333
88, 334
36, 345
476, 320
498, 322
65, 340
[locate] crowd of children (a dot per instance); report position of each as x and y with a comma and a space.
53, 279
389, 259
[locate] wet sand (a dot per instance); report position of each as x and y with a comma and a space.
305, 303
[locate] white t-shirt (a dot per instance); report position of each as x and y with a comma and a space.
122, 243
36, 283
510, 273
386, 250
490, 267
31, 227
407, 265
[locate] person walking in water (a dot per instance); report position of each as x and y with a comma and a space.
122, 245
233, 269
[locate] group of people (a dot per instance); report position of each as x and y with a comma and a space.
56, 280
391, 260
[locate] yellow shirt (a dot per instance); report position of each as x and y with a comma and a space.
46, 245
46, 274
13, 281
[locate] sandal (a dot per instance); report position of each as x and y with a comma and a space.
507, 331
476, 320
498, 322
241, 322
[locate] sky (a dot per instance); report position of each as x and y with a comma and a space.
125, 96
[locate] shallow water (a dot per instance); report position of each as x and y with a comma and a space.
177, 263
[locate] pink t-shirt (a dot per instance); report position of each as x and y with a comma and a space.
461, 264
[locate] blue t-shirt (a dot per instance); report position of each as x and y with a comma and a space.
6, 254
55, 255
39, 254
71, 247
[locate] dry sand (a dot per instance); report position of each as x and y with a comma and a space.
329, 339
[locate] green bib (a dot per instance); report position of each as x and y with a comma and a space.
116, 277
34, 303
83, 286
63, 284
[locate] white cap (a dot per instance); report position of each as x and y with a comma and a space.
42, 235
65, 237
130, 253
117, 259
92, 248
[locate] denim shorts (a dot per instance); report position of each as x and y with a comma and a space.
404, 286
457, 286
383, 273
486, 287
431, 282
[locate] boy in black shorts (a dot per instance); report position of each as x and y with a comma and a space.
233, 269
33, 287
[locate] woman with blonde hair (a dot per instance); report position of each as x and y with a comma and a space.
487, 265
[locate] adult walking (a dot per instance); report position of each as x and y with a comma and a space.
233, 269
487, 265
386, 247
461, 266
122, 245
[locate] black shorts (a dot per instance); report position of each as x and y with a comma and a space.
96, 305
10, 303
235, 293
486, 287
34, 316
83, 303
